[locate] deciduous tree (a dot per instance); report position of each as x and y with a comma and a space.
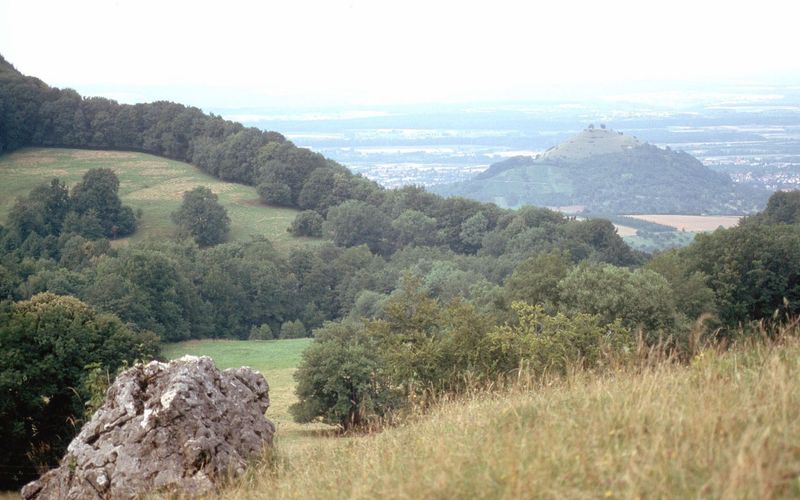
201, 216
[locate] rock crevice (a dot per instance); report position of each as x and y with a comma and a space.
178, 426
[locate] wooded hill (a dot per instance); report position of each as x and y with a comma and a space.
603, 171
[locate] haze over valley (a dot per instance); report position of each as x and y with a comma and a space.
751, 133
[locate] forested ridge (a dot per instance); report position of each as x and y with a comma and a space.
414, 293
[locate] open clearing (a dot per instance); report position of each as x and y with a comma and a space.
150, 183
692, 223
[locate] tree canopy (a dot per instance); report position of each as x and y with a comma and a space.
201, 216
45, 345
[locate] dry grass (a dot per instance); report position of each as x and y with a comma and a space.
692, 223
625, 230
724, 426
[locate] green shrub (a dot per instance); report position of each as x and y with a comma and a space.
307, 223
544, 343
640, 298
261, 332
275, 193
293, 330
341, 379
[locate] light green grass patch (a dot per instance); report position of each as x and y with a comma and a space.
150, 183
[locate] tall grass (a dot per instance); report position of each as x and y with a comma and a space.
724, 425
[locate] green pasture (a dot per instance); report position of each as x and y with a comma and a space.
151, 185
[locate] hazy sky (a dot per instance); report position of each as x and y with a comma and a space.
371, 51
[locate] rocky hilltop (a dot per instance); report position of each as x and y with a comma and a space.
592, 142
600, 170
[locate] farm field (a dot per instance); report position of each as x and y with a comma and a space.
691, 223
150, 183
625, 230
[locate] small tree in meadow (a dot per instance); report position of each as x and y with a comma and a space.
293, 330
202, 217
261, 332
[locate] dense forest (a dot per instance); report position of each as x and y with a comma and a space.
414, 293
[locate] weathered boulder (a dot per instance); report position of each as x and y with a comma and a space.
177, 426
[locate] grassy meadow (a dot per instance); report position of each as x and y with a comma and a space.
725, 425
150, 183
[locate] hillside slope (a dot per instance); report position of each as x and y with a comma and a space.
148, 183
603, 171
724, 426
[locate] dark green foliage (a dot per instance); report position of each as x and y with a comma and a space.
535, 281
356, 223
693, 297
97, 194
77, 252
307, 223
751, 268
783, 207
26, 218
275, 193
245, 284
8, 283
55, 204
46, 344
93, 210
327, 187
59, 281
412, 227
341, 379
42, 211
473, 230
150, 289
86, 225
600, 240
201, 216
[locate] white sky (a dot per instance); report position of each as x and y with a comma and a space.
372, 51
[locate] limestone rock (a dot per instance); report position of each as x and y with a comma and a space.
177, 426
